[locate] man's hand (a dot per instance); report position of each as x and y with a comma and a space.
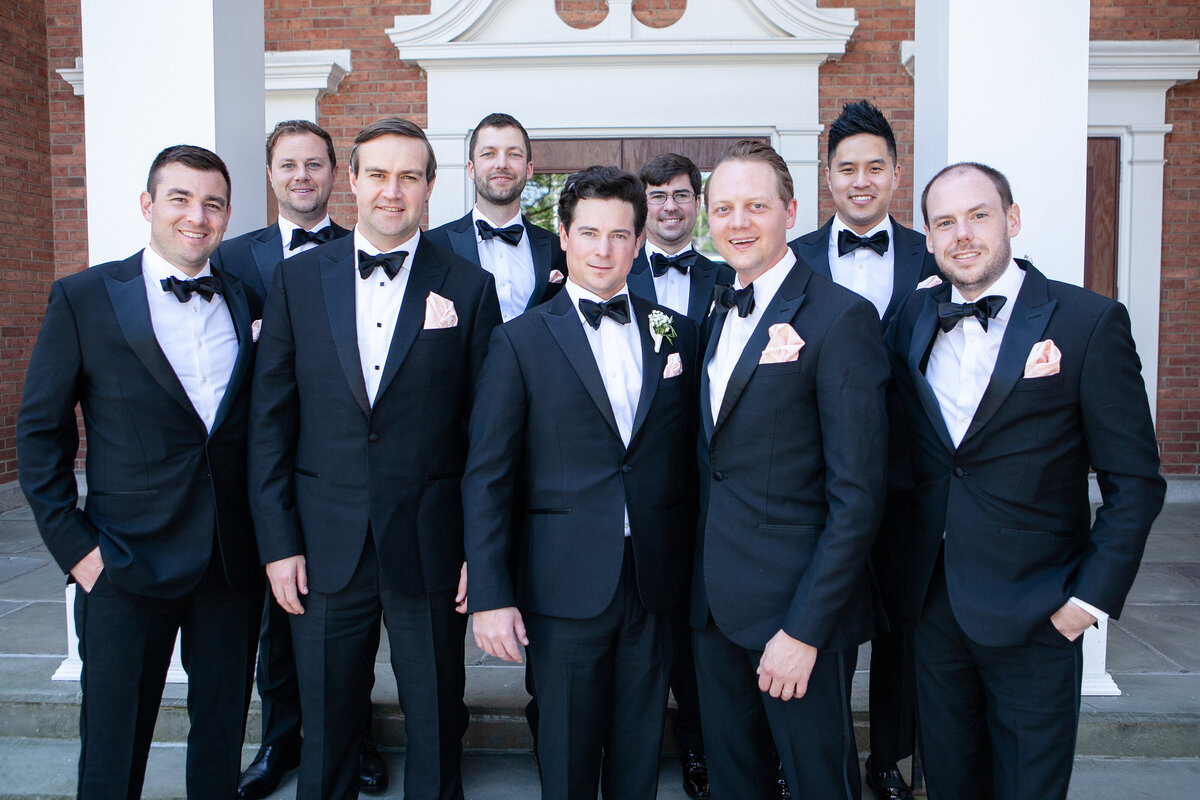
785, 666
460, 599
1071, 620
498, 631
289, 580
88, 570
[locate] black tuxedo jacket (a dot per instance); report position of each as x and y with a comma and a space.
325, 465
1012, 498
912, 263
549, 477
160, 486
460, 237
253, 256
792, 475
704, 275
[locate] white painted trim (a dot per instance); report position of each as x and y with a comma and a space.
74, 76
1173, 60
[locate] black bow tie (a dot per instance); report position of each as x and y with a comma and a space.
982, 309
616, 308
301, 237
727, 297
660, 263
206, 287
511, 234
849, 241
391, 263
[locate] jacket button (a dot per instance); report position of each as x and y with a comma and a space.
374, 437
959, 472
625, 468
718, 476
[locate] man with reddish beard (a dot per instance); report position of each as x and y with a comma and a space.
866, 250
157, 351
525, 260
368, 355
792, 480
300, 168
1011, 387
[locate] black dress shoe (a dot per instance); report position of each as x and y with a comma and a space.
887, 784
266, 771
372, 769
695, 773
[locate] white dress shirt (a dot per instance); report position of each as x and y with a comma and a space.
863, 271
736, 331
377, 303
618, 352
197, 337
673, 289
962, 360
511, 265
286, 226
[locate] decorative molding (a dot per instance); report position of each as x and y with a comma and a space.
1173, 60
319, 71
74, 76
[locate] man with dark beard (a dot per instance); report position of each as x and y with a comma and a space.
526, 260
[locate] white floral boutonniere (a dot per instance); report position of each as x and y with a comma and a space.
661, 328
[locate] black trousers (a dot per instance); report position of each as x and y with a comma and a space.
995, 722
892, 693
687, 727
126, 641
814, 735
336, 639
602, 697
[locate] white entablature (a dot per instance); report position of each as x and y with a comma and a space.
725, 68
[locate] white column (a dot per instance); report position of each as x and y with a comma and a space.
72, 666
1006, 84
160, 74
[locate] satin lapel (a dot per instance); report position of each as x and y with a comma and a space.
641, 283
783, 308
700, 293
710, 333
907, 260
1030, 315
540, 242
652, 364
127, 292
813, 249
428, 274
267, 250
463, 240
567, 329
337, 278
924, 330
239, 310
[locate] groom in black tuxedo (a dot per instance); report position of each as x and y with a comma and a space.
580, 497
792, 479
157, 350
1012, 386
369, 352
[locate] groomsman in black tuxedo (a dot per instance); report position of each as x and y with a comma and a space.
580, 497
1012, 386
157, 351
525, 260
792, 480
300, 168
369, 352
668, 271
864, 249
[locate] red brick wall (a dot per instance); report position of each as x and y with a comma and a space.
652, 13
64, 44
26, 253
1179, 336
871, 70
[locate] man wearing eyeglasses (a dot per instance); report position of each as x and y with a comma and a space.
667, 270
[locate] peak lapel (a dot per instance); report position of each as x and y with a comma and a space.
652, 363
540, 242
710, 333
428, 273
813, 249
463, 240
239, 310
567, 329
907, 259
1030, 315
267, 250
924, 330
337, 279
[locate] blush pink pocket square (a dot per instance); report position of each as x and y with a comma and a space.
674, 367
783, 346
556, 276
1044, 360
255, 327
439, 312
930, 282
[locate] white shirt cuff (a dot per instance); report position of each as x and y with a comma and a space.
1091, 609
